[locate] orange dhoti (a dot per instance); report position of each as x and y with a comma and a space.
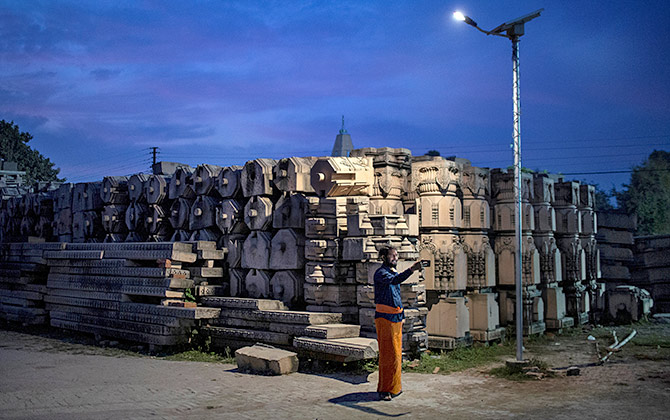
389, 337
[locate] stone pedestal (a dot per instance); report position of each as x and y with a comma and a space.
447, 317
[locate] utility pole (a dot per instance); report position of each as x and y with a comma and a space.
154, 153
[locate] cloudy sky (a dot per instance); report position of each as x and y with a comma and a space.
98, 83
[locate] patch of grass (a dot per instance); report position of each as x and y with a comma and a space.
458, 359
202, 356
515, 374
652, 340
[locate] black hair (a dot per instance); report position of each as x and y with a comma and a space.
385, 251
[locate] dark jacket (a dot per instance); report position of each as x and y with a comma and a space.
387, 291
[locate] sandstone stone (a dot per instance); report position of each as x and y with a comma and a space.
289, 212
205, 178
256, 177
228, 181
266, 360
344, 349
287, 250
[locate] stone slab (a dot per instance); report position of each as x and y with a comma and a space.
242, 303
249, 335
266, 360
347, 349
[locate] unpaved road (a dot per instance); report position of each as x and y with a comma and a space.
46, 378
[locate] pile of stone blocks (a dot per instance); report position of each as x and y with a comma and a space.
245, 321
23, 278
130, 291
29, 215
507, 255
651, 270
543, 198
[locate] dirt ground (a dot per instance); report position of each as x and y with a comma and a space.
52, 377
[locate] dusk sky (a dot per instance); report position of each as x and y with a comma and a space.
98, 83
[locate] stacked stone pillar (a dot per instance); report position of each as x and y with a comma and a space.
114, 194
181, 195
482, 296
291, 176
330, 281
573, 260
437, 181
86, 212
380, 221
505, 246
587, 237
230, 220
551, 274
258, 188
202, 216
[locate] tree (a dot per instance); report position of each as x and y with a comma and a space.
648, 194
14, 148
432, 153
603, 198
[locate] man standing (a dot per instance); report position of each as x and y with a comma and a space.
389, 318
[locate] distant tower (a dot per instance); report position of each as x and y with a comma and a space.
343, 144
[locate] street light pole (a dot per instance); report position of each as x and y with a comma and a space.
512, 31
517, 206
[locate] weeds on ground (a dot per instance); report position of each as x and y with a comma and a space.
202, 356
520, 374
458, 359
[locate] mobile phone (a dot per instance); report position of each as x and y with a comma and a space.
425, 263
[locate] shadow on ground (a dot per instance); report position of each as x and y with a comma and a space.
356, 399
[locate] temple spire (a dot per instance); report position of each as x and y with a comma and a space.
343, 130
343, 144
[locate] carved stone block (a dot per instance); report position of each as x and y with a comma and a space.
256, 250
324, 227
287, 286
257, 283
322, 249
341, 176
180, 212
293, 174
439, 211
203, 213
136, 186
287, 250
506, 260
228, 182
114, 190
234, 243
256, 177
136, 213
330, 294
156, 188
448, 262
258, 213
181, 183
230, 218
205, 178
114, 218
157, 221
327, 207
236, 277
289, 211
86, 196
